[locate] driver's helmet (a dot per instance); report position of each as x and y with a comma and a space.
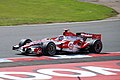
61, 37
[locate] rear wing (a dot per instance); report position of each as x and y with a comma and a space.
89, 35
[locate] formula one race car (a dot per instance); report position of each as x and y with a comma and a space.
67, 42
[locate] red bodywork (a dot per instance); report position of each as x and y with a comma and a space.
69, 42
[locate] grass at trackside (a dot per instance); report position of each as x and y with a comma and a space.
14, 12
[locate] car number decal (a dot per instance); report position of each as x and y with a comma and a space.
70, 45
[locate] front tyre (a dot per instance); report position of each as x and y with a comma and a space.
24, 42
95, 46
49, 48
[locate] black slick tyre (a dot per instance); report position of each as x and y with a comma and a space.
95, 46
24, 42
49, 48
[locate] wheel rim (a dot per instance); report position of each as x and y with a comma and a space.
98, 47
51, 50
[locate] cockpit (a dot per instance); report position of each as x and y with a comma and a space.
69, 38
61, 37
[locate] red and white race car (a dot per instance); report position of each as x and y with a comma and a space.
67, 42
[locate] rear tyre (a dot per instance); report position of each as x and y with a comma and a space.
95, 46
49, 48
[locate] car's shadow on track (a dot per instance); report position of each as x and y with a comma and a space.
64, 53
32, 55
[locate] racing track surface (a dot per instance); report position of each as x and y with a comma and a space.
107, 63
10, 35
33, 68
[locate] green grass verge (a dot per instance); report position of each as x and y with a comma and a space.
14, 12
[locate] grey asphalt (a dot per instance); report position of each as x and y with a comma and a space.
10, 35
